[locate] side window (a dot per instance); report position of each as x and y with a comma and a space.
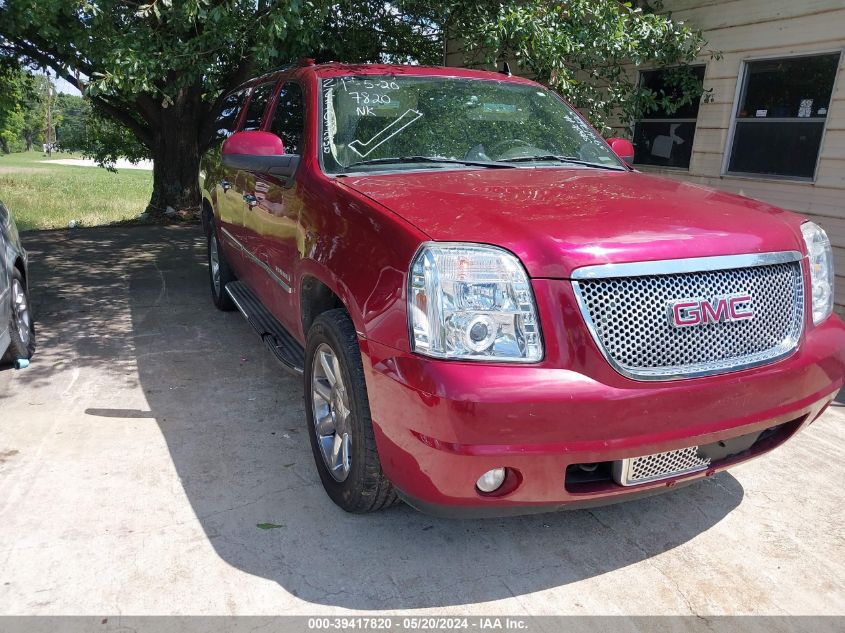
289, 119
257, 105
225, 124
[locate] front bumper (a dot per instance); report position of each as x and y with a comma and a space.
439, 425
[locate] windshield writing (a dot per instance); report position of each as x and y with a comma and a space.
370, 119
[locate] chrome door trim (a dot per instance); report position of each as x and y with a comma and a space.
686, 265
263, 265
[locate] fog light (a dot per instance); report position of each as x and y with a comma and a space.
491, 480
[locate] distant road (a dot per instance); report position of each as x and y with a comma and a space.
86, 162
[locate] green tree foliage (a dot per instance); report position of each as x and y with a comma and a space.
71, 132
82, 128
162, 67
34, 106
24, 99
586, 49
14, 83
107, 140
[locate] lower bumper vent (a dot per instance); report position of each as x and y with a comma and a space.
640, 470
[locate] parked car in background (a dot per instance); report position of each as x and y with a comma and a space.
491, 310
17, 329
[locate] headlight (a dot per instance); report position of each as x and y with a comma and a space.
472, 302
820, 260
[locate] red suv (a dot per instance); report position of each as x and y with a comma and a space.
491, 310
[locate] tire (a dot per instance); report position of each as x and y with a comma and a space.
21, 325
358, 483
223, 271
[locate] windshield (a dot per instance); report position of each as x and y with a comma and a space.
437, 122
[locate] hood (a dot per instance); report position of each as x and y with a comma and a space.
559, 219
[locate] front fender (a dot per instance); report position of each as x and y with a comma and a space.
361, 251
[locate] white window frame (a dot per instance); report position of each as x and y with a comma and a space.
686, 169
740, 85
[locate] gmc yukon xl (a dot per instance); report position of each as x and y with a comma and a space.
491, 310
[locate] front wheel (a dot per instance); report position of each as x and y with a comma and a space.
338, 413
21, 326
219, 273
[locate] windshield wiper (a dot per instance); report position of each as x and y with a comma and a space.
560, 159
431, 159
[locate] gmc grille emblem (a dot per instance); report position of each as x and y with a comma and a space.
698, 311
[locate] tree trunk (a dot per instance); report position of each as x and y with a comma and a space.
176, 150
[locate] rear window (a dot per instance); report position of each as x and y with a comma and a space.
229, 114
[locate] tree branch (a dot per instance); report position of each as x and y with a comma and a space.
142, 132
32, 45
27, 50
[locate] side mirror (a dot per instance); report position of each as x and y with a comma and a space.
623, 148
257, 151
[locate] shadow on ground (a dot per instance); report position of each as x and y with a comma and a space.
135, 301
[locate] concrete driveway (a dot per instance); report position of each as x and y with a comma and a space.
154, 460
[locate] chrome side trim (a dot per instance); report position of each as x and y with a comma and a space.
688, 265
264, 266
232, 238
237, 303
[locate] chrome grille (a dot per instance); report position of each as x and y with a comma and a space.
628, 316
639, 470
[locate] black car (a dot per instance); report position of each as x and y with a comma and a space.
17, 329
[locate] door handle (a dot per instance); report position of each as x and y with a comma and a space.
250, 199
226, 185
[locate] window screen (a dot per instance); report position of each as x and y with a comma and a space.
289, 118
257, 105
781, 114
661, 138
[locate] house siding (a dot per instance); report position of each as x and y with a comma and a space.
743, 30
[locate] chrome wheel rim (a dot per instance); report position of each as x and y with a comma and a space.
214, 259
20, 312
330, 406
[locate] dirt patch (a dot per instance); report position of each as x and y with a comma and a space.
121, 163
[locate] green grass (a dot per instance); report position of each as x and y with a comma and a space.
49, 196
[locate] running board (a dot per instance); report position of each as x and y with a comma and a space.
284, 347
